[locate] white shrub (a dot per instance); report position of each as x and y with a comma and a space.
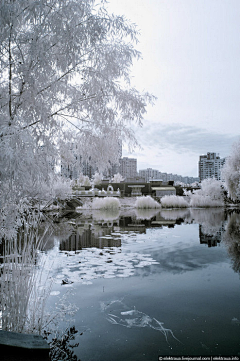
58, 187
199, 200
146, 202
173, 201
106, 203
117, 178
84, 180
62, 187
210, 194
231, 172
97, 179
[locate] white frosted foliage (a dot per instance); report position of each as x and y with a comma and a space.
210, 194
117, 178
231, 172
106, 203
172, 201
146, 202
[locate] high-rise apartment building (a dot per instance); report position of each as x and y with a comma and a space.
149, 174
128, 167
209, 166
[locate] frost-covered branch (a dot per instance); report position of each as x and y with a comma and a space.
70, 61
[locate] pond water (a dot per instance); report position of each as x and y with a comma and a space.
148, 284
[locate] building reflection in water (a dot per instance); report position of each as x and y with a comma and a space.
90, 237
131, 224
100, 234
104, 230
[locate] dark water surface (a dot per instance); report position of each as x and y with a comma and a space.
150, 284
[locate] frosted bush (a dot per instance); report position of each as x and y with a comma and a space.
106, 203
231, 172
97, 179
84, 180
61, 187
117, 178
146, 202
173, 201
199, 200
210, 194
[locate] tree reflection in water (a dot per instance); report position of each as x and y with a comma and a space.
232, 239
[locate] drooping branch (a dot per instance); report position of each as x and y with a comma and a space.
69, 71
10, 78
74, 125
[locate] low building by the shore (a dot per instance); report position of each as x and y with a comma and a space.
136, 187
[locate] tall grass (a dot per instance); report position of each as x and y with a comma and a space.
106, 203
22, 297
173, 201
146, 203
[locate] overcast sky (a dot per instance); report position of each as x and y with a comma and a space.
191, 63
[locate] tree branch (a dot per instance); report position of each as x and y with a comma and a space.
10, 77
69, 121
72, 116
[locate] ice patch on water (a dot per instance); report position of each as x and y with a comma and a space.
54, 293
118, 313
235, 321
109, 262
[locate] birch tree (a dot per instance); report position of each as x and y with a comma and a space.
64, 75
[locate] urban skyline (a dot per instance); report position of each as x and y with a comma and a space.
209, 166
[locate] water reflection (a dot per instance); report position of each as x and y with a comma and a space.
98, 230
211, 220
137, 248
175, 214
232, 239
145, 213
106, 215
112, 245
210, 239
88, 238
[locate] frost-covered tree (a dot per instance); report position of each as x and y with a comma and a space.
97, 178
117, 178
231, 172
84, 180
64, 75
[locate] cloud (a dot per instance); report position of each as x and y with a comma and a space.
183, 138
